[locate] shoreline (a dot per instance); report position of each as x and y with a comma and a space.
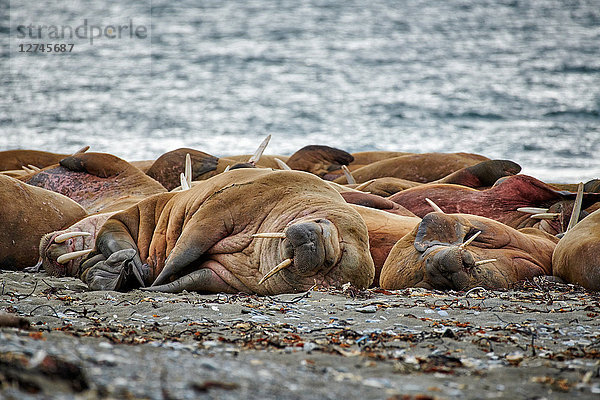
539, 340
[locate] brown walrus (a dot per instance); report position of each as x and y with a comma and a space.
576, 258
27, 213
202, 239
97, 181
423, 168
16, 159
446, 251
385, 229
481, 175
62, 252
500, 202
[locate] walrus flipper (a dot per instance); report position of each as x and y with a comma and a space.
116, 264
203, 280
98, 164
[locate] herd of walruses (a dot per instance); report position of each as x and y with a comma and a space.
275, 224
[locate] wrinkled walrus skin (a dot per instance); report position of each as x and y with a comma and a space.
202, 238
431, 256
576, 258
26, 214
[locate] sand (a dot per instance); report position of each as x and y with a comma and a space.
539, 340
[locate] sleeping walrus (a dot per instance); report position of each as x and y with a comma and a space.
97, 181
501, 202
576, 258
203, 239
27, 213
461, 251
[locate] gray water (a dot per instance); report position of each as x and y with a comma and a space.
507, 79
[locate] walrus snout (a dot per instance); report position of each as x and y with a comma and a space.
311, 244
449, 267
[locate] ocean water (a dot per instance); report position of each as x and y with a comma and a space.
518, 80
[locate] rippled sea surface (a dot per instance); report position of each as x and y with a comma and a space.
507, 79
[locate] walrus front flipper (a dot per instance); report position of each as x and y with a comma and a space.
111, 273
117, 264
483, 174
318, 159
98, 164
203, 280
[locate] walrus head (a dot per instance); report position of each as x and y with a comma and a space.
62, 252
461, 251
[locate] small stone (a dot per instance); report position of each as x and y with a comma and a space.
366, 309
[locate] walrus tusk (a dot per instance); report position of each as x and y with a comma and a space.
349, 178
82, 150
65, 258
435, 207
545, 216
33, 167
28, 170
532, 210
227, 168
576, 207
68, 235
188, 170
485, 261
364, 184
468, 242
282, 164
284, 264
183, 181
259, 152
275, 235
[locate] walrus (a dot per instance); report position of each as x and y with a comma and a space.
501, 202
461, 251
16, 159
385, 229
27, 213
62, 252
481, 175
576, 258
204, 239
422, 168
97, 181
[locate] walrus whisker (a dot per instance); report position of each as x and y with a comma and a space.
550, 216
71, 256
364, 184
468, 242
69, 235
532, 210
480, 262
349, 178
284, 264
259, 152
576, 207
435, 207
282, 164
274, 235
